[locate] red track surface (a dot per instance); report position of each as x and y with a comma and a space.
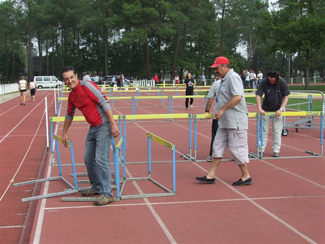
286, 203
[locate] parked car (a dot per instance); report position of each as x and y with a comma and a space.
47, 82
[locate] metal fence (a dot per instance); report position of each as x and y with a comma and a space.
8, 88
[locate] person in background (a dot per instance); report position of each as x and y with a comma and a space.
32, 88
203, 80
122, 80
176, 79
189, 84
252, 79
213, 95
87, 76
276, 96
156, 78
22, 88
247, 74
259, 78
96, 78
87, 97
232, 116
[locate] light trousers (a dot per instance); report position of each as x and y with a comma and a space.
277, 124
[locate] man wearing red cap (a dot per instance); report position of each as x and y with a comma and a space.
232, 115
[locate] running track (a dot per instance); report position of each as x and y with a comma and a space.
286, 203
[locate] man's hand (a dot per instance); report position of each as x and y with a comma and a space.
115, 131
261, 111
207, 115
218, 114
278, 112
65, 139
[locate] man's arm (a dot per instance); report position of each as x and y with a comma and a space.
258, 104
230, 104
66, 126
281, 109
114, 129
208, 106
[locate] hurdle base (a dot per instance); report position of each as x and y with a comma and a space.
83, 199
167, 193
48, 195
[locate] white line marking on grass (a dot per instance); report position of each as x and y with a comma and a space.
290, 227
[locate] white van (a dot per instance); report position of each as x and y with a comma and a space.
47, 82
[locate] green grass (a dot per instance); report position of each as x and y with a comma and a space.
316, 105
313, 88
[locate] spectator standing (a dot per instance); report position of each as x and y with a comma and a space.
232, 115
189, 84
247, 79
156, 78
96, 78
252, 79
176, 79
32, 88
213, 95
87, 76
122, 80
87, 97
259, 78
22, 88
203, 80
276, 95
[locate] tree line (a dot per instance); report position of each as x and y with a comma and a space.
141, 38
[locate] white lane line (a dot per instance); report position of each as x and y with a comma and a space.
21, 121
290, 227
9, 109
11, 226
120, 204
41, 213
23, 160
153, 212
291, 173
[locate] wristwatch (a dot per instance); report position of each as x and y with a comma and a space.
281, 109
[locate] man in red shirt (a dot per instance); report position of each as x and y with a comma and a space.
87, 97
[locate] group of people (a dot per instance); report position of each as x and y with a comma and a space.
229, 126
23, 86
230, 123
250, 79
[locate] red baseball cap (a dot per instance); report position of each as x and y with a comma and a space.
218, 61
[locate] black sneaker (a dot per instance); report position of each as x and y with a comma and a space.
275, 154
241, 182
205, 180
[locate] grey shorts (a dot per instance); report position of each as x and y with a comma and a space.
236, 140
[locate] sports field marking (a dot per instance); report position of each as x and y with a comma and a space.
9, 109
261, 208
11, 226
291, 173
122, 204
153, 211
23, 160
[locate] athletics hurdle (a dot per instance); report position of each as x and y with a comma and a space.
168, 192
312, 113
75, 119
166, 117
116, 158
74, 188
205, 116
